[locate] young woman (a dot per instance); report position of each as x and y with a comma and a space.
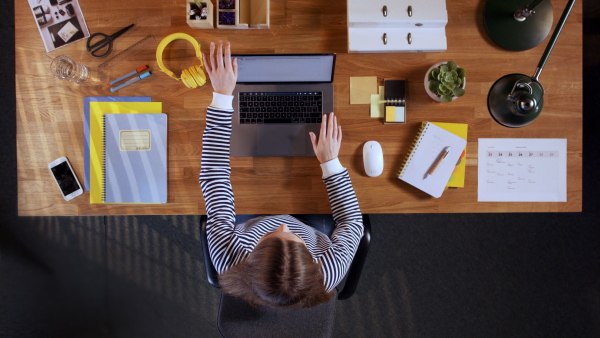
276, 261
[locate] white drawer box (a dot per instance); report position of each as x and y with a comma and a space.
387, 40
397, 13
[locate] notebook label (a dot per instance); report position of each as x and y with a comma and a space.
134, 140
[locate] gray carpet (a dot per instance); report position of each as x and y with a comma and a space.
467, 275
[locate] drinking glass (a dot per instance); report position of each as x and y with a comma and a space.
65, 68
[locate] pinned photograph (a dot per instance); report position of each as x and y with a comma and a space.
60, 22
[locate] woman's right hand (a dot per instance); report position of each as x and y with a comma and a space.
221, 70
327, 146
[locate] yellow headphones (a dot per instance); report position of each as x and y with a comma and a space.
191, 77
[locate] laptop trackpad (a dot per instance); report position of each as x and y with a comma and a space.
280, 140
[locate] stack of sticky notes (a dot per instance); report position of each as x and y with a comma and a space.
395, 114
387, 101
394, 95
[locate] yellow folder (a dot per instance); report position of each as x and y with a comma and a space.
457, 180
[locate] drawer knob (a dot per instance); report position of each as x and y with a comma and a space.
409, 11
409, 38
385, 38
384, 10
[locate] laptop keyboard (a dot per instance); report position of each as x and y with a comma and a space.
262, 108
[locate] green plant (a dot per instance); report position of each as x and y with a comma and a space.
446, 81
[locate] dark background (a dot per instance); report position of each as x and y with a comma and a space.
465, 275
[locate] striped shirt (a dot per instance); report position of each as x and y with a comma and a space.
230, 244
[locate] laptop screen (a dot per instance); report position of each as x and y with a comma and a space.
285, 68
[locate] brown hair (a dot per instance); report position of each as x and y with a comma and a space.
277, 273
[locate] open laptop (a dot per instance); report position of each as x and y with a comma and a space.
278, 99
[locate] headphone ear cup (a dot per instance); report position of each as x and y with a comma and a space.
193, 77
187, 79
198, 75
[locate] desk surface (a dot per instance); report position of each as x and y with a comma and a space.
50, 111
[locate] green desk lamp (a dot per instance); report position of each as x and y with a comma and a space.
517, 25
515, 100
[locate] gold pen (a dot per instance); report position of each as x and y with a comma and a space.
437, 162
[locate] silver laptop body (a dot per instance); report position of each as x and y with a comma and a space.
276, 75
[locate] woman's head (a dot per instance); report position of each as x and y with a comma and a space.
279, 272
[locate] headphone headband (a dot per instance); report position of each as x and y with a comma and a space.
191, 77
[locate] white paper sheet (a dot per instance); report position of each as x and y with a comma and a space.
522, 170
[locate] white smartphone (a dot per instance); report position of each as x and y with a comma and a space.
65, 178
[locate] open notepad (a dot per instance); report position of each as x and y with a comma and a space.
429, 145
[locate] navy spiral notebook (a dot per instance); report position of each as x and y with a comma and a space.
135, 162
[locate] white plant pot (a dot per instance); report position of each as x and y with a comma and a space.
432, 94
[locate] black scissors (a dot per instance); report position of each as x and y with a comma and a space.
106, 40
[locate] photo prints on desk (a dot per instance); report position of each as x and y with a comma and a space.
60, 22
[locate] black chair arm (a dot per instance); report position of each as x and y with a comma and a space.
358, 262
211, 273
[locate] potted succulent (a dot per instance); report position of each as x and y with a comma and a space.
445, 81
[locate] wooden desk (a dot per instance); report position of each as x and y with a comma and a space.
49, 111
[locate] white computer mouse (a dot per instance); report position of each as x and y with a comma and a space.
373, 158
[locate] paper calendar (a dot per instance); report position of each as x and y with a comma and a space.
522, 170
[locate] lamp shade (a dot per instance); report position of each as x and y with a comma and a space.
510, 33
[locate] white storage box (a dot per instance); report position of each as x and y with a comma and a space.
398, 26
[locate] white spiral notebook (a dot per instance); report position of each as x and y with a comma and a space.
432, 159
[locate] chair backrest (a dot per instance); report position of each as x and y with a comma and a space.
239, 319
323, 223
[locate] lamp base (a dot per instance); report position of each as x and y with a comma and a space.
507, 113
512, 34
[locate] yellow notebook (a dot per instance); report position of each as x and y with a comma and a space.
457, 180
97, 111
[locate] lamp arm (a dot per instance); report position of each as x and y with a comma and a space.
552, 42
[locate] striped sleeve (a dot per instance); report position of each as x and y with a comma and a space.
348, 229
215, 172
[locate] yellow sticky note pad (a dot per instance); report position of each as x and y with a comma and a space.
361, 88
395, 114
377, 104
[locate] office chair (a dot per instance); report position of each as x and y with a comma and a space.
236, 318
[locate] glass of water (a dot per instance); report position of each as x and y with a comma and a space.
65, 68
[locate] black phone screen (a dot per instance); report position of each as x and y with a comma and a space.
65, 177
